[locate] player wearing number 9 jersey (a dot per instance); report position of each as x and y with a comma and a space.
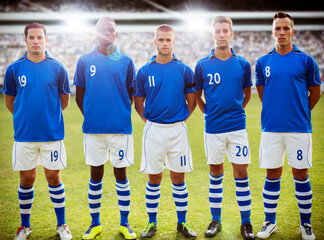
288, 84
37, 90
225, 79
104, 86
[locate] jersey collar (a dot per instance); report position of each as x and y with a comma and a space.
116, 49
47, 55
295, 49
154, 56
211, 54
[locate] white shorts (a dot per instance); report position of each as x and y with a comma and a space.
165, 144
274, 145
235, 143
98, 146
27, 155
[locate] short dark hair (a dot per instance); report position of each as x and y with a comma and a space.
283, 15
34, 25
222, 19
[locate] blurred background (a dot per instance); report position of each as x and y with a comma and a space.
71, 27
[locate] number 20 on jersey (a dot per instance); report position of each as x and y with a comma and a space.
214, 78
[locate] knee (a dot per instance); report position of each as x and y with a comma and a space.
54, 178
27, 181
120, 174
155, 179
300, 174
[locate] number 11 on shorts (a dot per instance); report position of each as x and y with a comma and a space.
183, 160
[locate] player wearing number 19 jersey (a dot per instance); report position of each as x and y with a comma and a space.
37, 90
288, 84
104, 86
225, 79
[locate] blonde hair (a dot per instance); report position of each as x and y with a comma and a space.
164, 28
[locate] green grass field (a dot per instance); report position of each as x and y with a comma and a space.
76, 178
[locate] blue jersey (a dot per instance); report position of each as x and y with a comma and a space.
164, 86
223, 83
286, 78
106, 103
37, 87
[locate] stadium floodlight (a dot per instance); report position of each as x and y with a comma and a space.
76, 23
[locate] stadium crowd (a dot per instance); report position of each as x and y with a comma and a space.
189, 47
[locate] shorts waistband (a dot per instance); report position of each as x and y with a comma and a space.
165, 125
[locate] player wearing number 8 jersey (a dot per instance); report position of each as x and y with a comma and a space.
225, 79
37, 90
288, 84
104, 86
168, 88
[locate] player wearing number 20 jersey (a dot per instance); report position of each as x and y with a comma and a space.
223, 83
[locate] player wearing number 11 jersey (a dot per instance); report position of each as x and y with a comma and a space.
225, 79
104, 86
288, 84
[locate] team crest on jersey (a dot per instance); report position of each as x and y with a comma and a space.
22, 80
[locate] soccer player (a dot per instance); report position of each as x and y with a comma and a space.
37, 90
167, 87
288, 85
225, 79
104, 87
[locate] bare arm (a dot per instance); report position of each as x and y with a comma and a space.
314, 95
79, 95
191, 102
9, 100
65, 100
260, 92
201, 101
130, 94
139, 107
247, 96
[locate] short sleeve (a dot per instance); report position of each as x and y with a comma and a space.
190, 83
247, 75
64, 82
130, 74
9, 83
79, 79
312, 72
199, 77
139, 84
259, 78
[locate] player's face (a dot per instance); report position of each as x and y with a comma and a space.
106, 33
222, 35
283, 32
164, 42
36, 41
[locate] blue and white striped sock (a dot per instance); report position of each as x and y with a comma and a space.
94, 199
271, 193
304, 195
215, 196
57, 195
124, 197
152, 201
180, 197
243, 197
26, 198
